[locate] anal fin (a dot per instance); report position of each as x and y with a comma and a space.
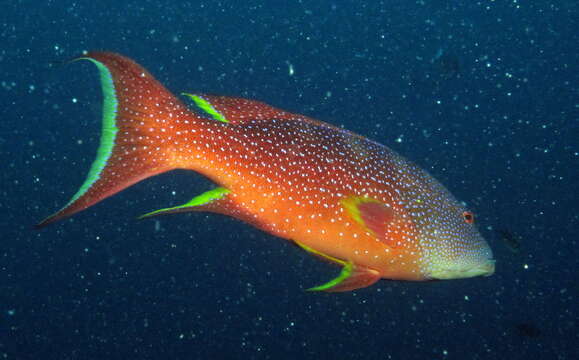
215, 200
352, 276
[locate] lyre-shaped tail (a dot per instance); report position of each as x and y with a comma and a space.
139, 117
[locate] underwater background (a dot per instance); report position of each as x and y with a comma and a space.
483, 94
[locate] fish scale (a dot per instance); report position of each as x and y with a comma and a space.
334, 193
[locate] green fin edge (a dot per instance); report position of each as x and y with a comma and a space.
205, 198
206, 107
109, 129
347, 268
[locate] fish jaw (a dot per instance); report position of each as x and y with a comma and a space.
458, 271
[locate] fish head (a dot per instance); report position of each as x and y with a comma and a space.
446, 233
452, 246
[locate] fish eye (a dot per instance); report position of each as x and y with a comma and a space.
468, 217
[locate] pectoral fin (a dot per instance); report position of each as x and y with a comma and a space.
379, 218
351, 277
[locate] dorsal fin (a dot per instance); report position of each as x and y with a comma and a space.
237, 110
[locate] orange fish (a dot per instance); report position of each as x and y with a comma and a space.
334, 193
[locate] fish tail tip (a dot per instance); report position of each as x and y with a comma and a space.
50, 220
41, 225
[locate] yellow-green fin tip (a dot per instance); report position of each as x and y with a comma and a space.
205, 198
344, 274
109, 129
347, 267
206, 107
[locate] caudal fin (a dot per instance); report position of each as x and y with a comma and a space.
139, 115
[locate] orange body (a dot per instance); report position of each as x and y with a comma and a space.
297, 198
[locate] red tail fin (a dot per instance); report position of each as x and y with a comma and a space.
138, 118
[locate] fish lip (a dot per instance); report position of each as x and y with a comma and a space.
485, 269
491, 264
491, 267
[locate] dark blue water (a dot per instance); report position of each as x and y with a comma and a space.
483, 94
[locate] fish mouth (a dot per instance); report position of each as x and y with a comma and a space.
489, 268
460, 272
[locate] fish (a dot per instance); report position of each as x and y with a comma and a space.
511, 240
528, 329
336, 194
446, 64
